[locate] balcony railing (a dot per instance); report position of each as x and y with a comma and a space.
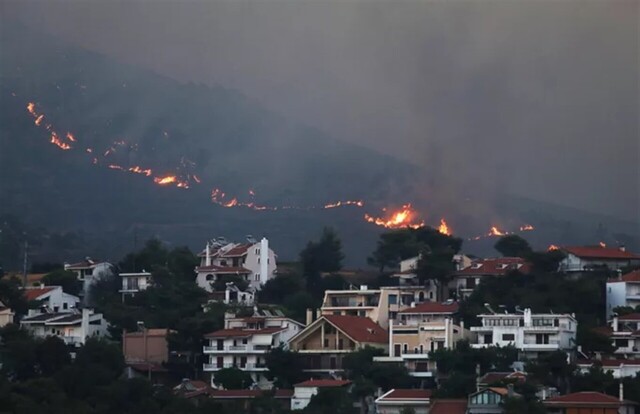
247, 366
237, 348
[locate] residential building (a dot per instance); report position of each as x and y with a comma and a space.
587, 258
51, 298
397, 400
73, 327
303, 391
133, 283
623, 291
488, 400
619, 368
89, 271
421, 329
408, 271
6, 315
589, 402
255, 262
379, 305
465, 280
624, 332
149, 346
325, 341
191, 389
244, 342
530, 333
241, 399
449, 406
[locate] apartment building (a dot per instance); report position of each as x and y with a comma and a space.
623, 291
379, 305
587, 258
530, 333
133, 283
421, 329
466, 279
624, 332
326, 340
254, 261
244, 341
89, 271
73, 327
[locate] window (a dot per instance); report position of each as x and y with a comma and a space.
244, 341
65, 305
393, 299
209, 278
340, 344
622, 343
405, 348
508, 337
488, 338
326, 343
430, 295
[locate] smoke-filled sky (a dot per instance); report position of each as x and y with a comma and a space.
539, 97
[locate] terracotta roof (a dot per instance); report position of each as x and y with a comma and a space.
499, 390
432, 307
242, 333
239, 250
629, 277
359, 328
222, 269
630, 317
34, 293
236, 394
612, 363
598, 252
493, 377
43, 317
495, 267
448, 407
322, 383
590, 398
407, 394
145, 367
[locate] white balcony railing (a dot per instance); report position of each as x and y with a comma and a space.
247, 366
237, 348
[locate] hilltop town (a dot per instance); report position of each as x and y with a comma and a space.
230, 328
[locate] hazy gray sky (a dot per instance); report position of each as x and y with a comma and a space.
540, 97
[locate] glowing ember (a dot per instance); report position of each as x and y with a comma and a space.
31, 107
38, 120
165, 180
444, 228
552, 247
139, 170
496, 232
602, 244
55, 140
404, 217
251, 193
70, 137
115, 167
196, 179
527, 227
357, 203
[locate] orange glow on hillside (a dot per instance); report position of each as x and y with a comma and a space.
552, 247
444, 227
165, 180
405, 217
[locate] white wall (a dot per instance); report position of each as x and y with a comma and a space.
616, 296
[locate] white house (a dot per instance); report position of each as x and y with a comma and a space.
73, 327
133, 283
244, 342
619, 368
397, 400
6, 315
465, 280
408, 271
623, 291
52, 298
624, 333
586, 258
303, 391
254, 262
88, 272
530, 333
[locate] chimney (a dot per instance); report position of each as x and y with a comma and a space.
527, 317
621, 391
364, 287
391, 338
264, 260
207, 261
614, 323
622, 248
544, 393
309, 316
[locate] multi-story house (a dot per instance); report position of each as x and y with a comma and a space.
619, 368
530, 333
623, 291
421, 329
590, 402
624, 332
255, 262
73, 327
398, 401
587, 258
465, 280
326, 340
244, 341
379, 305
88, 272
133, 283
51, 298
304, 391
6, 315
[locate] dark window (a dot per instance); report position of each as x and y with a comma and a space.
244, 341
340, 344
508, 337
622, 343
326, 343
488, 338
396, 350
243, 362
220, 344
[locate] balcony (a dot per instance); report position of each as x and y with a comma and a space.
249, 366
239, 349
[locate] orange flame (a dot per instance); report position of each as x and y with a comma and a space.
527, 227
70, 137
402, 218
56, 141
444, 227
38, 120
358, 203
31, 107
552, 247
165, 180
138, 170
496, 232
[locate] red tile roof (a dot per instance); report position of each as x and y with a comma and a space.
584, 398
242, 333
33, 294
448, 407
323, 383
495, 267
242, 394
432, 307
630, 317
407, 394
222, 269
239, 250
359, 328
493, 377
631, 276
598, 252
